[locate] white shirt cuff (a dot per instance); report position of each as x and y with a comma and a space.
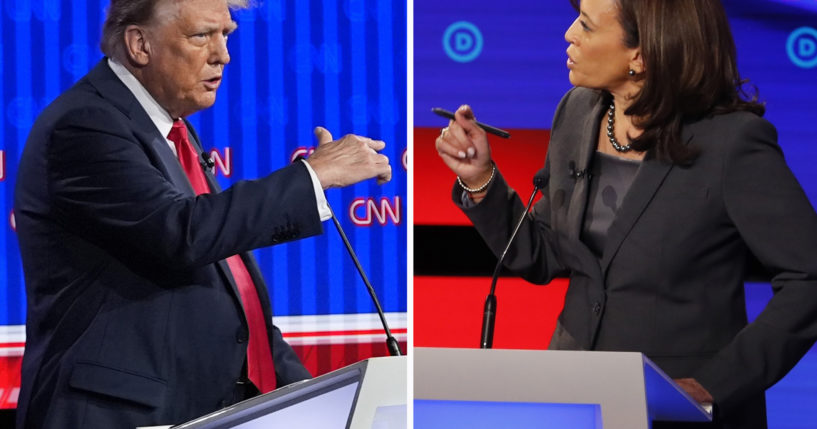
324, 211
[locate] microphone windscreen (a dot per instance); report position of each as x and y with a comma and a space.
541, 177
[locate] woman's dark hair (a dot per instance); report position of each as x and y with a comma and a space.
690, 70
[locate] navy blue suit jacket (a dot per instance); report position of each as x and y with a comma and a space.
133, 317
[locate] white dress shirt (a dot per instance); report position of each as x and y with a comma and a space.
164, 123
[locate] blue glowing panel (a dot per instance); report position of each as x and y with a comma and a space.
434, 414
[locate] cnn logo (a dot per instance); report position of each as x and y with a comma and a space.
369, 211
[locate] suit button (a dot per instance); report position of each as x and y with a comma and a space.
241, 336
596, 308
225, 403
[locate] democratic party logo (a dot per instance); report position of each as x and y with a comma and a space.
802, 47
462, 41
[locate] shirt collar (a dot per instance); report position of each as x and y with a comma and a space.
157, 113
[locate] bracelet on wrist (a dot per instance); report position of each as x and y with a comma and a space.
481, 188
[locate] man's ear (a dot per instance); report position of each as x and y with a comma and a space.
137, 47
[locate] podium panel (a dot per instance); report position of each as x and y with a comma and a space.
432, 414
368, 394
629, 390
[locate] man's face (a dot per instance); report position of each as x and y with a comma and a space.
187, 42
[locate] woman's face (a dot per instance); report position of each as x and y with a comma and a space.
597, 56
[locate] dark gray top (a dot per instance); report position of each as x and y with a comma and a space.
611, 179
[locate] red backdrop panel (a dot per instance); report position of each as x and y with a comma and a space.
10, 373
448, 311
322, 358
519, 158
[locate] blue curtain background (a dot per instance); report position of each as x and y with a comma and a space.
295, 65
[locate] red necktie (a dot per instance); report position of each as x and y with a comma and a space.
260, 369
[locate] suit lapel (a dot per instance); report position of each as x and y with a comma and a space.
110, 87
168, 160
586, 142
196, 142
647, 182
215, 188
116, 93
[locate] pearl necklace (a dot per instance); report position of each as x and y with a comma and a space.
611, 122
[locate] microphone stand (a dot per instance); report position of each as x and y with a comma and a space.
391, 342
489, 310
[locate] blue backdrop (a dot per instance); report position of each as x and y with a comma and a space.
295, 65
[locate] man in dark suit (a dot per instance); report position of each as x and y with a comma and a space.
144, 306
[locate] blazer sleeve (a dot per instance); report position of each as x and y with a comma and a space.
104, 185
778, 224
532, 254
288, 367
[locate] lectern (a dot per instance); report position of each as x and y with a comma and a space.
365, 395
478, 388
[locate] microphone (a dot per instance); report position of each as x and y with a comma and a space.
206, 161
577, 174
391, 342
489, 310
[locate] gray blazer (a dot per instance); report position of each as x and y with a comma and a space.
670, 279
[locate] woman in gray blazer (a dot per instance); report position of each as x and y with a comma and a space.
662, 180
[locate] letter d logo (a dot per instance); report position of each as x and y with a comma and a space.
802, 47
462, 41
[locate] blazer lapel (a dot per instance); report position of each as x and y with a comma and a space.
196, 142
110, 87
647, 181
116, 93
587, 142
168, 160
215, 188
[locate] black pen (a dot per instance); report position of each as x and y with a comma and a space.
493, 130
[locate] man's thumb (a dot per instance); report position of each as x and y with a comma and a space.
323, 135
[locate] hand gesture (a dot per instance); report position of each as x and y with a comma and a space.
464, 148
347, 161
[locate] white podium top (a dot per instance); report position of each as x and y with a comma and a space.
630, 389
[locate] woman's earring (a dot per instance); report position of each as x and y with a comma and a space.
631, 72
